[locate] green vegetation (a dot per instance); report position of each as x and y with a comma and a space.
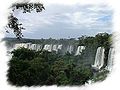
100, 76
29, 67
13, 22
100, 40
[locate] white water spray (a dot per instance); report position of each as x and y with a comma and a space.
59, 47
79, 50
110, 59
99, 58
55, 48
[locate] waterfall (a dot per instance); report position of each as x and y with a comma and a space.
110, 59
39, 47
29, 45
54, 48
79, 50
59, 47
99, 58
46, 47
20, 45
24, 45
70, 49
16, 46
33, 47
50, 48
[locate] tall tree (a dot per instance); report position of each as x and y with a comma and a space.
13, 22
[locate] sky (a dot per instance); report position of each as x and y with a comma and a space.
61, 20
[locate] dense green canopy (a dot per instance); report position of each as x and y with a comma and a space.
30, 67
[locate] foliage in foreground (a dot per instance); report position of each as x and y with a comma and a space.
13, 22
45, 68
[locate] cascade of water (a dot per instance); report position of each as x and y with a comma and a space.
50, 48
24, 45
70, 48
29, 45
34, 47
39, 47
16, 46
45, 47
59, 47
99, 58
20, 45
82, 48
110, 59
54, 48
79, 50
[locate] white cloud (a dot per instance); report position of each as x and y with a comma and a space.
90, 18
68, 18
73, 2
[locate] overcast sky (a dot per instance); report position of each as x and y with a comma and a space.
63, 20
